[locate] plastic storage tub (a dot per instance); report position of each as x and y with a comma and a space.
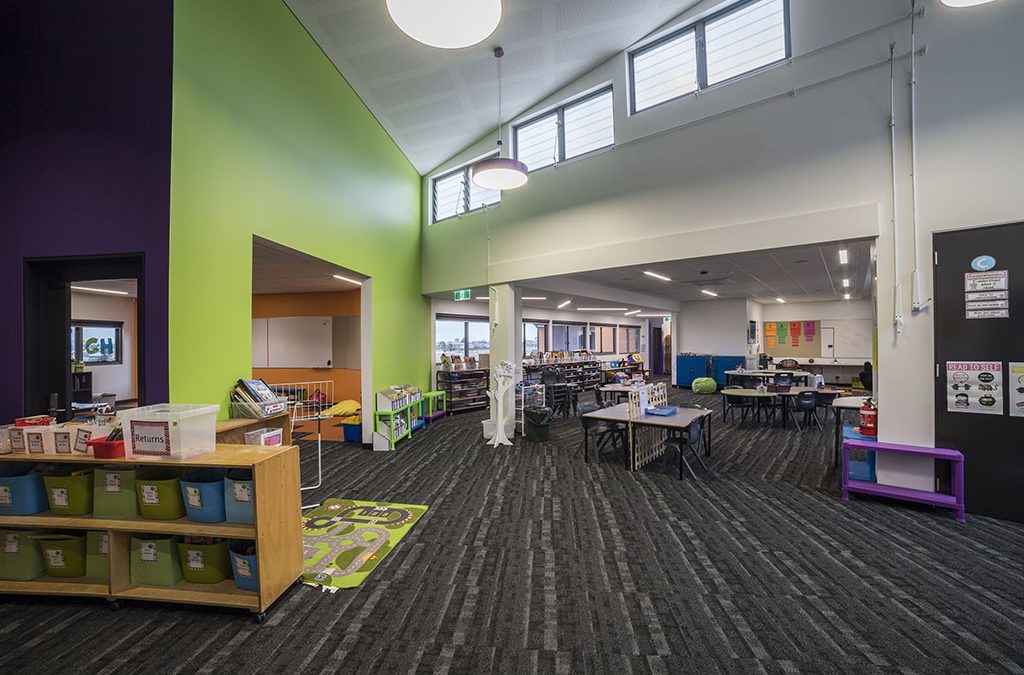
114, 493
97, 555
63, 554
353, 433
69, 490
204, 563
21, 559
22, 492
159, 492
155, 560
239, 496
243, 565
203, 493
174, 430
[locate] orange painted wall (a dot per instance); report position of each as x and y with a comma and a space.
342, 303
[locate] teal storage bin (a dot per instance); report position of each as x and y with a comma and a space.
64, 554
21, 559
239, 496
114, 493
203, 493
159, 492
69, 490
22, 491
97, 555
155, 560
243, 565
204, 563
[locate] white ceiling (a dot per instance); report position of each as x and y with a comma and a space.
436, 102
126, 288
279, 269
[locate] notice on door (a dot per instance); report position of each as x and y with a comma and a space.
974, 387
1016, 389
987, 295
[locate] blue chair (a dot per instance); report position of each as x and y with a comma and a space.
679, 446
783, 378
805, 402
599, 433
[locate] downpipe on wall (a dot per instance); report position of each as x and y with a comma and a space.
897, 305
917, 304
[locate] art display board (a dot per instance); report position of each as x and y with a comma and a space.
795, 339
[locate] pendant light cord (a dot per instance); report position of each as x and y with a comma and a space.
498, 53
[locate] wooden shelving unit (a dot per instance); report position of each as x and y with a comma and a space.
233, 431
583, 374
277, 533
465, 389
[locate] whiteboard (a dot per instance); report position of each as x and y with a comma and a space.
854, 338
259, 343
299, 342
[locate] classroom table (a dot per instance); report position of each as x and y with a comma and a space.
793, 391
617, 390
758, 397
840, 406
769, 374
679, 422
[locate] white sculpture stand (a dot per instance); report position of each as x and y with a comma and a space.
503, 377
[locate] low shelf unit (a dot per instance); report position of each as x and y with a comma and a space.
465, 389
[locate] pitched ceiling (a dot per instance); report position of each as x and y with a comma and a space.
436, 102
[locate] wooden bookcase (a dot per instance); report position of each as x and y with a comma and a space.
233, 431
277, 532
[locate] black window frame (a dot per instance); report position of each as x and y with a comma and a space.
559, 113
78, 346
465, 170
697, 28
466, 320
592, 344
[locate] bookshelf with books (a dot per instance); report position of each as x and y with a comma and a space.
399, 412
585, 373
465, 388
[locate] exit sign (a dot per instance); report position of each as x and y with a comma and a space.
463, 294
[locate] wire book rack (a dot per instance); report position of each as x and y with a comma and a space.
307, 402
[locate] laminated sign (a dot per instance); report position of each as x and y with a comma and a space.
6, 496
112, 483
193, 497
12, 542
150, 438
1016, 389
974, 387
987, 295
147, 551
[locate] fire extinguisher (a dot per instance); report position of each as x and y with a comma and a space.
869, 418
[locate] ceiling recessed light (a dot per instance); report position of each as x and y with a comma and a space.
843, 256
534, 297
783, 300
846, 296
99, 290
484, 299
656, 275
452, 24
652, 315
564, 304
635, 311
351, 281
964, 3
707, 292
601, 309
846, 283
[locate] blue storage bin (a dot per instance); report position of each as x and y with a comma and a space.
202, 490
689, 367
239, 496
353, 433
720, 364
22, 492
243, 565
861, 469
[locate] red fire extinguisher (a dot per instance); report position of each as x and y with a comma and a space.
869, 419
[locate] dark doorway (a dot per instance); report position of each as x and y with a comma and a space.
47, 339
657, 352
979, 320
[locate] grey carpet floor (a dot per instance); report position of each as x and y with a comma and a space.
531, 560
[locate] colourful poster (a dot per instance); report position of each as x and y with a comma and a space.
974, 387
782, 331
810, 330
770, 340
1016, 389
769, 328
794, 332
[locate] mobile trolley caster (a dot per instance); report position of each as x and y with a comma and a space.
115, 605
260, 617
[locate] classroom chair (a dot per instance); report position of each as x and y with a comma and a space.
679, 446
599, 433
805, 402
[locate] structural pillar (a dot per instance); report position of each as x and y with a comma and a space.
506, 324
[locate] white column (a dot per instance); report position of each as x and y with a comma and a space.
506, 323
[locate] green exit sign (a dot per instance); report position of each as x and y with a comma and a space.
464, 294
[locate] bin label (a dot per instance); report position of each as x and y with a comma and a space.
59, 497
104, 543
195, 500
150, 494
35, 443
6, 497
112, 483
195, 558
55, 558
242, 567
17, 438
62, 441
12, 543
242, 492
151, 438
147, 551
81, 437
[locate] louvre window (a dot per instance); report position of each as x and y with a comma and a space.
455, 193
574, 129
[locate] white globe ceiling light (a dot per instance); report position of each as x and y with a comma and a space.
964, 3
446, 24
500, 173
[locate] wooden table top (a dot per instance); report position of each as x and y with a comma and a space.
769, 373
620, 413
619, 387
752, 393
849, 402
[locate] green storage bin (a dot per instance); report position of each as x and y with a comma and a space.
155, 560
159, 492
97, 555
114, 493
69, 490
205, 563
21, 559
63, 554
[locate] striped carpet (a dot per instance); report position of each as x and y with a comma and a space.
530, 560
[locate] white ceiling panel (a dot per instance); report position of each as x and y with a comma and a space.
436, 102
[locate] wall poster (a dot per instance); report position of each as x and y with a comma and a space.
1016, 395
974, 387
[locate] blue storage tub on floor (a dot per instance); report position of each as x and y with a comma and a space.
239, 495
22, 493
243, 565
202, 490
353, 433
861, 469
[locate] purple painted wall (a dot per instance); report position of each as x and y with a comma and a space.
85, 145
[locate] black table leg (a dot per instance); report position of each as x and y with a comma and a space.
785, 409
838, 413
586, 446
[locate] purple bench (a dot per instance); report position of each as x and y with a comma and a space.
954, 501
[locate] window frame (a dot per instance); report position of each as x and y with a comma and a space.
79, 344
464, 196
701, 53
465, 320
595, 331
559, 113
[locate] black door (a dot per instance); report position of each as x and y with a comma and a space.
979, 323
657, 353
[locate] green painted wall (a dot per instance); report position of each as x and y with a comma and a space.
269, 139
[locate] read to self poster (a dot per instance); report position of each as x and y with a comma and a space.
974, 387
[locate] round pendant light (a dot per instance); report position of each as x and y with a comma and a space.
447, 24
499, 173
964, 3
